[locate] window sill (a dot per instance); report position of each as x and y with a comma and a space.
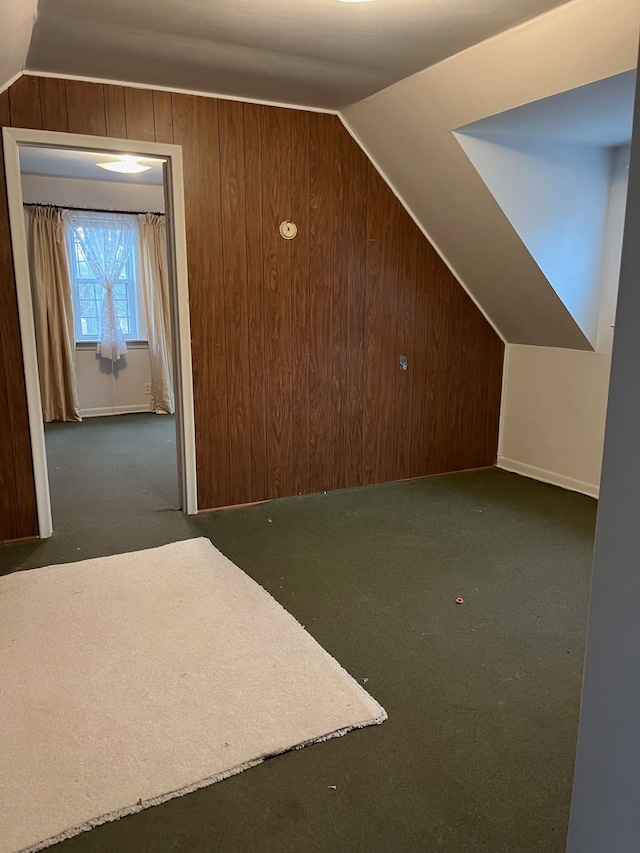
93, 345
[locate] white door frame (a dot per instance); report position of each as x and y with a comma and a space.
177, 244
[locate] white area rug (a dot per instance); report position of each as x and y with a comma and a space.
132, 679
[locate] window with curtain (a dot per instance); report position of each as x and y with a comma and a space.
102, 249
102, 277
88, 293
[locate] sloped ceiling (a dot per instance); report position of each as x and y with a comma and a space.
599, 114
408, 132
317, 53
15, 34
549, 166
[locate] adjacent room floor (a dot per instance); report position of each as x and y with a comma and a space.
483, 697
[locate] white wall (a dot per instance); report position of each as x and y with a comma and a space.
555, 400
555, 196
103, 390
107, 195
553, 413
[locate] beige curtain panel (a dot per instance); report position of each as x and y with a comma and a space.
155, 282
53, 314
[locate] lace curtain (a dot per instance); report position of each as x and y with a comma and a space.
107, 240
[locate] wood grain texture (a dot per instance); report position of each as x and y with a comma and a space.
408, 235
195, 127
295, 343
53, 104
163, 116
138, 110
321, 235
115, 117
17, 503
422, 390
24, 103
254, 244
381, 317
276, 207
357, 285
340, 308
234, 255
430, 444
300, 299
492, 352
86, 108
9, 508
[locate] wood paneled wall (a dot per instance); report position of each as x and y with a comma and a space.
296, 344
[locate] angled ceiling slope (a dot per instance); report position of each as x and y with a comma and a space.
549, 167
408, 131
316, 53
18, 17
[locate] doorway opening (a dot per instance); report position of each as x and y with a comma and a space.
101, 279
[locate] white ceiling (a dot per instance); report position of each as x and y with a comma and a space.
62, 163
321, 53
600, 114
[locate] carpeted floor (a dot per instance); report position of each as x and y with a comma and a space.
483, 698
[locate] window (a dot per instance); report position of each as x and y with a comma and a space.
87, 295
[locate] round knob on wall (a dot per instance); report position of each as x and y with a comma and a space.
288, 229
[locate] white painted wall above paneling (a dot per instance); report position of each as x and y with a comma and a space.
101, 195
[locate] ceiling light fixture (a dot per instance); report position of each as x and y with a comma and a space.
127, 164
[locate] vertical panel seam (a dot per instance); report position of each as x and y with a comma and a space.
224, 294
125, 111
262, 303
246, 262
153, 115
294, 462
247, 348
104, 109
364, 319
332, 454
309, 300
13, 472
414, 296
396, 372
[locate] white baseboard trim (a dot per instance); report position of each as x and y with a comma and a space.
114, 410
548, 477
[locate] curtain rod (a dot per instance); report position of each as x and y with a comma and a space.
92, 209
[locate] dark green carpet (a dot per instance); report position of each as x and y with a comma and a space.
483, 698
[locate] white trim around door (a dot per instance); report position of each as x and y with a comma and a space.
174, 196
